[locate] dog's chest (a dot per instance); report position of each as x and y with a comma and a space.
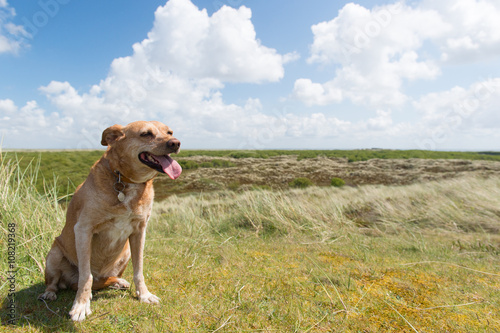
120, 230
135, 201
132, 217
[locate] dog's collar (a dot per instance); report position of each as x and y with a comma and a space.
121, 181
121, 178
119, 185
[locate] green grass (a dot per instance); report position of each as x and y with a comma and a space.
301, 182
337, 182
422, 257
61, 170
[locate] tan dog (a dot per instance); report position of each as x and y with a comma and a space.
107, 217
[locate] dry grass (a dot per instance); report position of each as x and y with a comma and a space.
421, 257
277, 172
37, 217
459, 205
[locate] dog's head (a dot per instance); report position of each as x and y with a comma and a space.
142, 148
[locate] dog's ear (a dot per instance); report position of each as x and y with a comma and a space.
112, 134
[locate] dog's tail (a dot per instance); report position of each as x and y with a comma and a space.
100, 283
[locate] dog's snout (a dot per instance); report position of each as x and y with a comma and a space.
173, 144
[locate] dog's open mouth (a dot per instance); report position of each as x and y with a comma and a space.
161, 163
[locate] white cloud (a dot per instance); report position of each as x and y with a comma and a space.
223, 46
476, 29
315, 125
315, 93
382, 121
378, 50
384, 31
12, 36
451, 115
7, 106
460, 102
29, 125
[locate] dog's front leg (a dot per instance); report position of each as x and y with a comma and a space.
83, 244
137, 241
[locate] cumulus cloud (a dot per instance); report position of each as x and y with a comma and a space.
476, 29
312, 93
7, 107
466, 103
378, 50
223, 46
454, 114
176, 75
12, 36
383, 31
30, 124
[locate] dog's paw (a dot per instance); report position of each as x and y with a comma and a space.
120, 284
48, 295
148, 298
80, 310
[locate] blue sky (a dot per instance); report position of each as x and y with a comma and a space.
253, 74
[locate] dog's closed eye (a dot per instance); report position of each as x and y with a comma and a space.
147, 134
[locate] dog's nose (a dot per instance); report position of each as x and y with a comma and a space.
173, 144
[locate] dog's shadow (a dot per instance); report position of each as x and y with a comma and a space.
25, 310
47, 316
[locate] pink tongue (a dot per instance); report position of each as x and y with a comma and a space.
170, 166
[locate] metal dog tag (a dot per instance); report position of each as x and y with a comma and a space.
121, 196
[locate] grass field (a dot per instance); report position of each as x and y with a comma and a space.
229, 169
422, 256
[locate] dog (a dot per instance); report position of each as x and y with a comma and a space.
107, 216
